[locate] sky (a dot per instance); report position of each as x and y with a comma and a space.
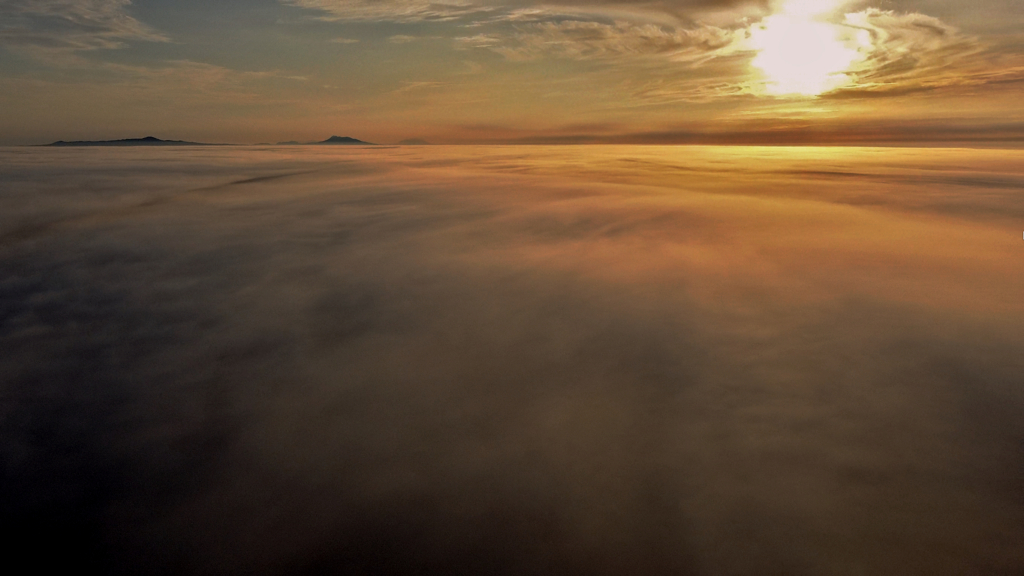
514, 71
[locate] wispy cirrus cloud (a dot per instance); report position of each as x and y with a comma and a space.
912, 52
899, 52
477, 12
70, 25
391, 10
580, 39
413, 86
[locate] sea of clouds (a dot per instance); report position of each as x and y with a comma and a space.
513, 360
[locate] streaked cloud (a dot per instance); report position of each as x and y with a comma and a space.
412, 86
900, 52
897, 51
390, 10
588, 39
71, 25
485, 11
910, 51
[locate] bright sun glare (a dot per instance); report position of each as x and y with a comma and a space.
800, 53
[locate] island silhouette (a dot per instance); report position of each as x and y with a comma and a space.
147, 141
344, 140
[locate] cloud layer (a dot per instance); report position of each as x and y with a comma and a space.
445, 360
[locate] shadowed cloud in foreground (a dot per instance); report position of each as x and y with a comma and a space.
514, 360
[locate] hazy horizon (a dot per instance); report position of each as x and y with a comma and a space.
942, 144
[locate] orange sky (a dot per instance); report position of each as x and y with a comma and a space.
461, 71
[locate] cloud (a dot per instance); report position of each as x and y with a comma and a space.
900, 52
390, 10
589, 360
589, 40
70, 25
412, 86
910, 51
490, 11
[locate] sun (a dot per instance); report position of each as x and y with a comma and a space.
801, 54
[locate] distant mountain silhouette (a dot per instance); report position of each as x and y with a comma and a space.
147, 141
344, 140
414, 142
288, 143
